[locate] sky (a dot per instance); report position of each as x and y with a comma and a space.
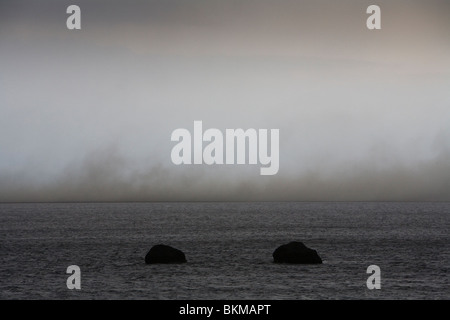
87, 115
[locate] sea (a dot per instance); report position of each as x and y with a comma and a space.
228, 246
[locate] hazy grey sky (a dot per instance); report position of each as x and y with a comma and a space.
87, 114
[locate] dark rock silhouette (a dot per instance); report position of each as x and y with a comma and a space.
295, 252
164, 254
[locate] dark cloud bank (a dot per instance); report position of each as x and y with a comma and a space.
100, 178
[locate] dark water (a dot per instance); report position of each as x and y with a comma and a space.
229, 250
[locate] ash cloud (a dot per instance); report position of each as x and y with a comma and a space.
101, 177
362, 115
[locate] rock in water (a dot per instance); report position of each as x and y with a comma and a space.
295, 252
164, 254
